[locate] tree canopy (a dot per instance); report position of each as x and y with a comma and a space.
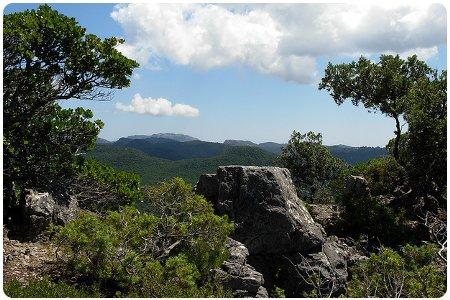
48, 57
383, 86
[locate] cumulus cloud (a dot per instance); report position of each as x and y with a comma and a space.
281, 40
157, 107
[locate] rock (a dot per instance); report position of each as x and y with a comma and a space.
263, 204
40, 210
331, 264
327, 215
356, 187
238, 276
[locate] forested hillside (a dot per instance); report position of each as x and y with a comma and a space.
154, 170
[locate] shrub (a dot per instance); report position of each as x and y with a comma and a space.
99, 187
46, 289
311, 165
408, 273
164, 249
382, 174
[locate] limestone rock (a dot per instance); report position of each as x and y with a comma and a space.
263, 203
238, 276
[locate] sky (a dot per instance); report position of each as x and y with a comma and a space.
251, 71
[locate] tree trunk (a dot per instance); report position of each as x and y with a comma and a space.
398, 133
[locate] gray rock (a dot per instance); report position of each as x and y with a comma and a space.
238, 276
331, 264
262, 202
356, 187
41, 209
327, 215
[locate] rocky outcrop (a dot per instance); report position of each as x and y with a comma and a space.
356, 187
284, 242
327, 215
263, 204
237, 275
40, 210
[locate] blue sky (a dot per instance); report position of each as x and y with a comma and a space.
242, 95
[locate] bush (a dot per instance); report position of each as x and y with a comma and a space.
311, 165
46, 289
164, 249
389, 274
99, 187
382, 174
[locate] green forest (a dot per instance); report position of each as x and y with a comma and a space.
140, 229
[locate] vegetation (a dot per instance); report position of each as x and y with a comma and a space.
409, 273
423, 148
155, 170
46, 289
382, 86
311, 165
165, 249
99, 187
48, 57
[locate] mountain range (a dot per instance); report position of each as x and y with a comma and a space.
172, 146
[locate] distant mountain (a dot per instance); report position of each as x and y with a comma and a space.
173, 150
153, 170
353, 155
271, 147
102, 141
239, 143
170, 136
175, 147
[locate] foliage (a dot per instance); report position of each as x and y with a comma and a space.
99, 187
367, 215
164, 249
48, 57
311, 165
382, 174
278, 293
423, 148
44, 288
381, 86
154, 170
389, 274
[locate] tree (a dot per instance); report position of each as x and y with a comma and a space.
381, 86
311, 165
423, 148
48, 57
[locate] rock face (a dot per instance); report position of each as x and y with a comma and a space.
357, 187
262, 201
285, 245
41, 210
327, 215
238, 276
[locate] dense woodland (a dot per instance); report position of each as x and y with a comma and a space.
131, 239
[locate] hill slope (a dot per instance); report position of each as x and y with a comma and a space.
154, 170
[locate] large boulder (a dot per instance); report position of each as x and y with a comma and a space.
237, 275
40, 210
329, 216
264, 206
326, 271
356, 187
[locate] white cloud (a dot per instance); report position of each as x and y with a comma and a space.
281, 40
157, 107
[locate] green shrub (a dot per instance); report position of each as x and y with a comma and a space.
164, 249
380, 222
311, 165
46, 289
408, 273
278, 292
382, 174
99, 187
